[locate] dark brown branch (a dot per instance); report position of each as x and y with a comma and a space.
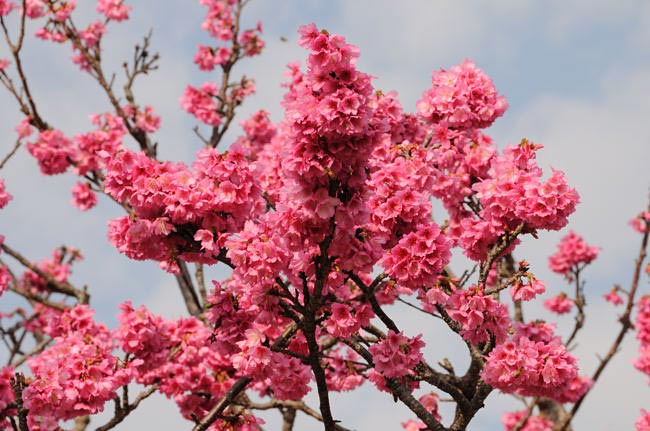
187, 289
18, 384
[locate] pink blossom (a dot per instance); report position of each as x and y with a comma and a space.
531, 366
6, 7
525, 291
533, 423
24, 129
208, 58
419, 257
572, 254
83, 197
114, 10
5, 279
643, 422
463, 97
613, 297
5, 197
479, 316
560, 304
200, 103
93, 34
4, 63
397, 355
53, 151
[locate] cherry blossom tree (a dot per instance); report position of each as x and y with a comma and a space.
324, 220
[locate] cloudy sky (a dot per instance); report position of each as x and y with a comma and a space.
577, 77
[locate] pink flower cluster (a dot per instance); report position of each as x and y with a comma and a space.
5, 279
643, 422
53, 151
200, 102
463, 97
480, 317
513, 195
641, 222
83, 197
114, 10
171, 203
419, 257
345, 321
528, 289
144, 120
560, 304
534, 362
76, 375
5, 197
259, 131
572, 254
6, 7
613, 297
533, 423
642, 325
397, 354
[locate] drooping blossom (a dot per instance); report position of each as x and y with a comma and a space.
560, 304
83, 197
572, 254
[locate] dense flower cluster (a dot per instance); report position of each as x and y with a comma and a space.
463, 97
75, 376
533, 362
172, 202
572, 254
397, 355
480, 317
418, 258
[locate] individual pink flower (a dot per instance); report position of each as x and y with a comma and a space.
4, 63
510, 422
5, 197
572, 254
5, 279
24, 129
397, 355
613, 296
83, 197
641, 222
560, 304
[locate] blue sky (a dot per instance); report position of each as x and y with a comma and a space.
576, 75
